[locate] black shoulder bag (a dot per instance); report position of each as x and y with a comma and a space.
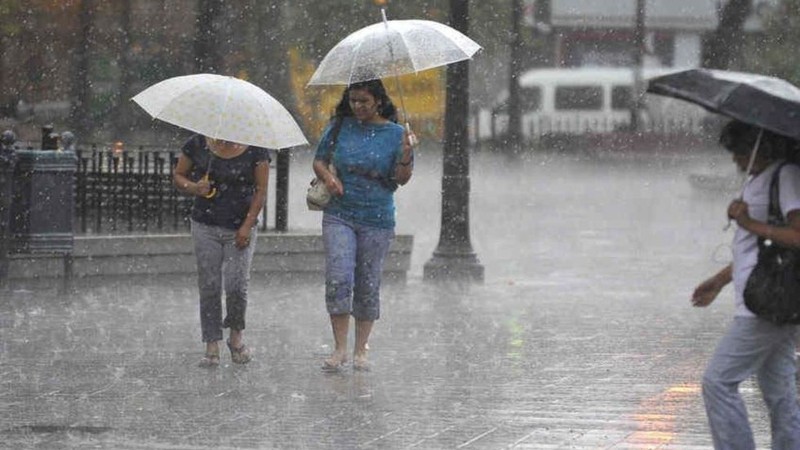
773, 288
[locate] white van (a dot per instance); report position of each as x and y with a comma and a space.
585, 100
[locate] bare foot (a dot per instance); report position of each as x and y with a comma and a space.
335, 361
360, 361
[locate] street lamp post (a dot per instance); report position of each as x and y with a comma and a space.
515, 68
454, 259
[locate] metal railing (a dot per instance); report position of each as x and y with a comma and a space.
493, 127
127, 191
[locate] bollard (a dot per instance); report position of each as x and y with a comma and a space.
42, 207
49, 138
8, 159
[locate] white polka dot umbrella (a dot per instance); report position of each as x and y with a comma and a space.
224, 108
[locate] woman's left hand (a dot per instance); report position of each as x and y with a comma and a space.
409, 142
242, 239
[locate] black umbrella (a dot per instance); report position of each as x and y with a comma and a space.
766, 102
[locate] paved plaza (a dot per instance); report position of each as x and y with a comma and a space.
582, 336
114, 367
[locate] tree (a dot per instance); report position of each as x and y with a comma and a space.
122, 119
82, 84
8, 29
727, 41
775, 51
206, 44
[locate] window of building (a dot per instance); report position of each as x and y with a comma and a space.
530, 98
621, 97
579, 97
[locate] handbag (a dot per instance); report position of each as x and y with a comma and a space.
317, 195
772, 291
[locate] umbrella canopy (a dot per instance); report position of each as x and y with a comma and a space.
390, 48
766, 102
222, 107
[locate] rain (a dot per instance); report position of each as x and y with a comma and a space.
573, 240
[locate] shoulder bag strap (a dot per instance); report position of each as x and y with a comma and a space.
337, 127
774, 214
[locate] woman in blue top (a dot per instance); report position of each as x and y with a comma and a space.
229, 185
372, 155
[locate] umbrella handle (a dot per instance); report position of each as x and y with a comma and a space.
747, 176
213, 191
412, 139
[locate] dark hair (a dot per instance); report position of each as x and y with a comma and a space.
740, 138
386, 108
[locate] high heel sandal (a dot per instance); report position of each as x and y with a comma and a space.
240, 355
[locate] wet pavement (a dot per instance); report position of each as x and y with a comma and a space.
582, 336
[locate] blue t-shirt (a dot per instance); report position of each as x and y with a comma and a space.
364, 158
233, 178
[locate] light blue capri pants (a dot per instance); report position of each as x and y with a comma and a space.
354, 256
220, 262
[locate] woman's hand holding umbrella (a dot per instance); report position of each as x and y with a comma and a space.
203, 188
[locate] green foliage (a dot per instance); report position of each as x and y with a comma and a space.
316, 29
775, 52
8, 12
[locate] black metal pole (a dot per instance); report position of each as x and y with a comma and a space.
282, 190
7, 164
515, 69
638, 59
454, 258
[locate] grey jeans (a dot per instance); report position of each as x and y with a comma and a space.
220, 263
753, 347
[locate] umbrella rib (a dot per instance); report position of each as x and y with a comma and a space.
408, 50
353, 62
224, 109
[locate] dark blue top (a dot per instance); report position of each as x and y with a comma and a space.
365, 158
233, 179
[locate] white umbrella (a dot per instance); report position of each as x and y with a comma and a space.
222, 107
392, 47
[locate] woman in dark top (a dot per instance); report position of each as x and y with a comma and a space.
229, 182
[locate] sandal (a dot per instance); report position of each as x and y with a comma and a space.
239, 355
209, 360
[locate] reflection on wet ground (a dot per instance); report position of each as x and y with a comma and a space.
581, 337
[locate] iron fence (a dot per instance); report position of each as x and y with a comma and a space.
128, 191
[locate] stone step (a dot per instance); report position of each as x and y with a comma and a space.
278, 254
